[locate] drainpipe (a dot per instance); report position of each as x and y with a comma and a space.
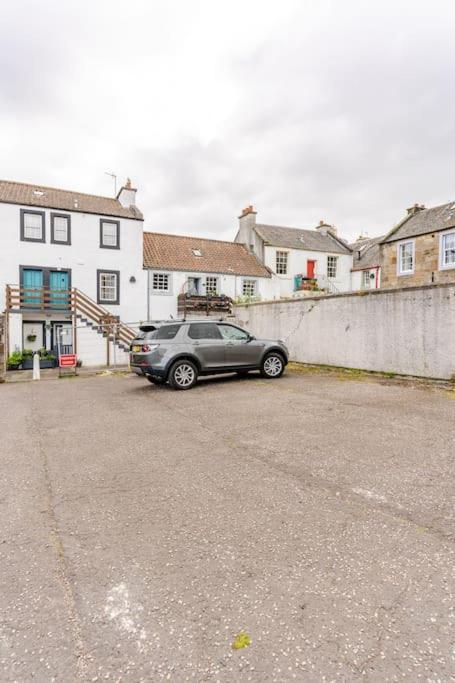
148, 294
377, 276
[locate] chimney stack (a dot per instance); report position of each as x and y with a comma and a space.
324, 228
415, 209
127, 195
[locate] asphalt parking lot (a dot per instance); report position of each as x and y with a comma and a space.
143, 529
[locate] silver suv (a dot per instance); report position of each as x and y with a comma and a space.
178, 351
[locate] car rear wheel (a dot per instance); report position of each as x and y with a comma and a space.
183, 375
156, 380
272, 365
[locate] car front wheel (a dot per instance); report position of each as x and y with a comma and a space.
183, 375
272, 365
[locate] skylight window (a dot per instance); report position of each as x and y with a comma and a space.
196, 252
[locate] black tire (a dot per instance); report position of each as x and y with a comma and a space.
156, 380
183, 375
272, 365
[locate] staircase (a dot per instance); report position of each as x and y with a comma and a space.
99, 338
113, 338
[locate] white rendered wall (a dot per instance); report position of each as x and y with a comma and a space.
164, 304
83, 257
297, 264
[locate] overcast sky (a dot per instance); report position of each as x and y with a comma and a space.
339, 110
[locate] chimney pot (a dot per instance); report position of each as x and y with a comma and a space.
415, 209
247, 211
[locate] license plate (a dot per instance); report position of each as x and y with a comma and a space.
137, 349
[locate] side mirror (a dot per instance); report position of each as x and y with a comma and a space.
251, 337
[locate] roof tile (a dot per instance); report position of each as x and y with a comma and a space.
175, 252
296, 238
53, 198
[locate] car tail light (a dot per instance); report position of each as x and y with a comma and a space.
147, 348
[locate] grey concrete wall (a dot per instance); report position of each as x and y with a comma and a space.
407, 331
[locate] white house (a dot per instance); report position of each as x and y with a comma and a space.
190, 268
70, 263
366, 267
298, 257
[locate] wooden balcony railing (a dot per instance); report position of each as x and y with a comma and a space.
71, 300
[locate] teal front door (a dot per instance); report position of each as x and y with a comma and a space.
59, 286
32, 284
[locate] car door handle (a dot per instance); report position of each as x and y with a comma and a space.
229, 343
196, 343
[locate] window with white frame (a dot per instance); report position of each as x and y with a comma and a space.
281, 262
161, 283
405, 260
249, 287
332, 263
447, 247
366, 279
60, 229
108, 287
211, 285
32, 226
110, 234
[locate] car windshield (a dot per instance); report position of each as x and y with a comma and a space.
164, 332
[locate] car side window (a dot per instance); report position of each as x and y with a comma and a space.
233, 333
204, 331
166, 332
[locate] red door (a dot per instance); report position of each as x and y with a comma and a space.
310, 268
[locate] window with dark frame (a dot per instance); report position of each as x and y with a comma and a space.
60, 228
109, 234
282, 262
32, 226
108, 287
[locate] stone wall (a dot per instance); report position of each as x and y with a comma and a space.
426, 269
409, 331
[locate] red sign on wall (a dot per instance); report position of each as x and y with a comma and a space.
68, 360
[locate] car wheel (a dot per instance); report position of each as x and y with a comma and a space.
272, 365
183, 375
156, 380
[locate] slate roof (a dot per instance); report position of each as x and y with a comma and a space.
175, 252
423, 222
296, 238
53, 198
369, 253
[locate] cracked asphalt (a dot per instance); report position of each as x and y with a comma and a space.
143, 529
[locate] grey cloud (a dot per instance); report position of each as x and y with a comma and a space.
342, 111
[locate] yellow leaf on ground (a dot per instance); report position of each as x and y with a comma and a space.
241, 640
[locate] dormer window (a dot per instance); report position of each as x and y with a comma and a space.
196, 252
109, 234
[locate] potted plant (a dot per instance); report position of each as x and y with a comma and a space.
27, 359
14, 360
31, 337
47, 360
